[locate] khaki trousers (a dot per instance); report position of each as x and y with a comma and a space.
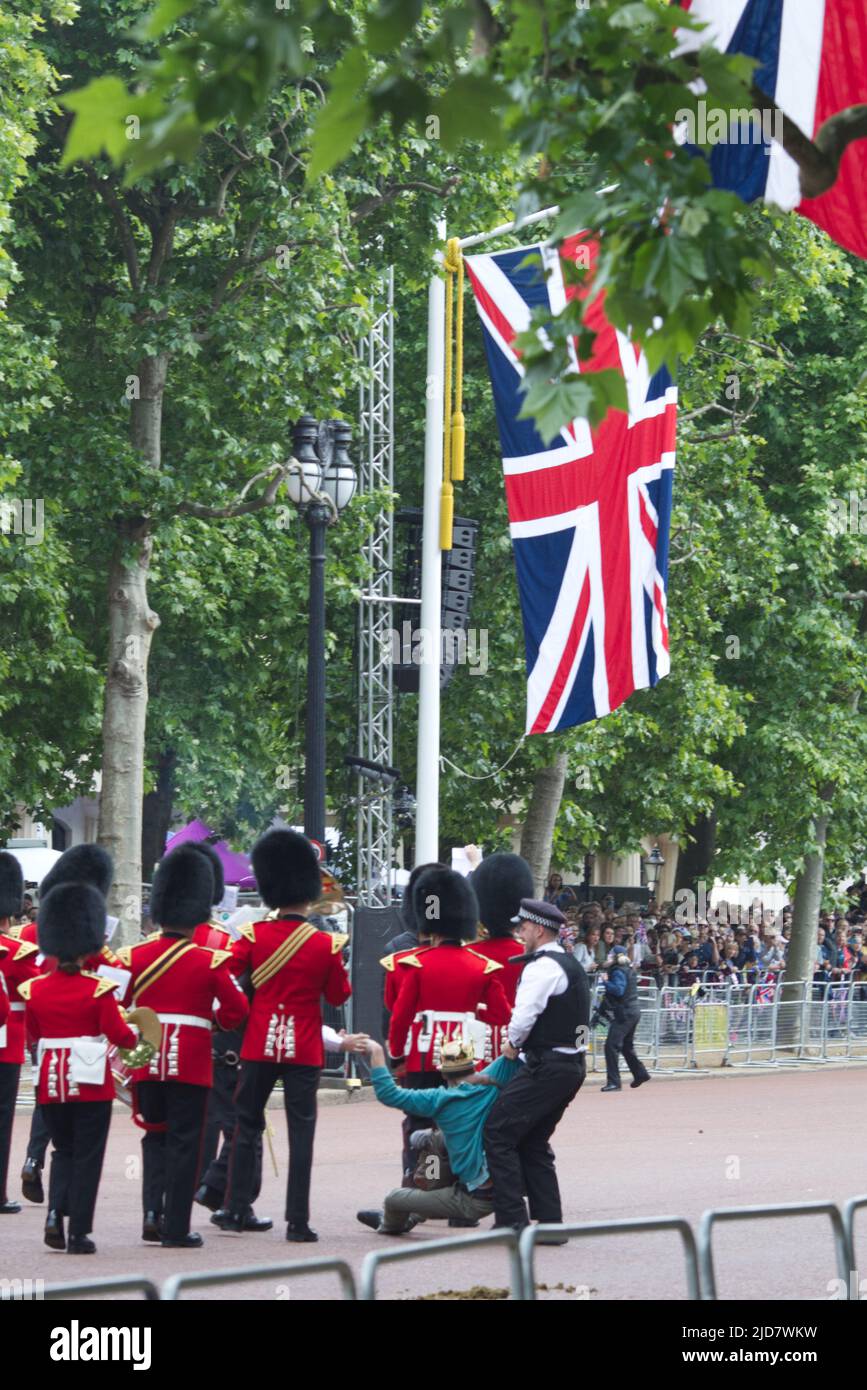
437, 1205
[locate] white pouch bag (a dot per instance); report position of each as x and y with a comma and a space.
87, 1058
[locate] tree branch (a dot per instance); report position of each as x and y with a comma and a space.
394, 190
106, 190
241, 506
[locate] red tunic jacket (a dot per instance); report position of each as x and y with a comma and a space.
64, 1006
286, 1016
394, 976
28, 932
450, 980
17, 965
502, 949
196, 988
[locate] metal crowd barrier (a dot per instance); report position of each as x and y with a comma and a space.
377, 1258
171, 1289
760, 1023
80, 1288
842, 1245
532, 1236
698, 1256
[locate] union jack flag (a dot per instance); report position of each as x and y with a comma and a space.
589, 513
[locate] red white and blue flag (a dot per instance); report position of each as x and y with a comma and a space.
589, 513
812, 59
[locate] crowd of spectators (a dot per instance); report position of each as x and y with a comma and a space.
722, 947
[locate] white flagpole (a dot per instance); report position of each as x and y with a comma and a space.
428, 762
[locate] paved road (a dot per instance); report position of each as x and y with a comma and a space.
674, 1147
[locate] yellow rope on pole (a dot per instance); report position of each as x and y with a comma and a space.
453, 433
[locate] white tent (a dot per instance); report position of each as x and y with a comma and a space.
35, 861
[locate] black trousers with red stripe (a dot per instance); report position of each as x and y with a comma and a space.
9, 1074
170, 1158
300, 1084
79, 1133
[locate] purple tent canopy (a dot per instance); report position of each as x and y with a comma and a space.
236, 867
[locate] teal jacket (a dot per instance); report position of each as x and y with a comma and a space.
459, 1111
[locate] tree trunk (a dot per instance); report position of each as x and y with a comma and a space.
800, 954
537, 832
157, 814
131, 624
697, 850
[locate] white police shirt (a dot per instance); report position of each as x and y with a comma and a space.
540, 979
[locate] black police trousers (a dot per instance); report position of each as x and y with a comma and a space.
300, 1084
621, 1033
170, 1157
517, 1131
79, 1133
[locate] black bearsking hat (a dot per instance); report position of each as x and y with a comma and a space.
499, 883
287, 869
11, 885
202, 847
444, 903
81, 864
407, 909
71, 921
183, 889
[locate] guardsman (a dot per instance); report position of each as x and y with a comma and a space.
226, 1048
188, 986
80, 864
290, 966
499, 883
73, 1014
447, 991
17, 965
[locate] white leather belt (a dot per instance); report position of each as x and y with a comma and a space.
437, 1016
55, 1043
192, 1020
17, 1008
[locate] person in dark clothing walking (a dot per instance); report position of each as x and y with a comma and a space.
621, 995
550, 1029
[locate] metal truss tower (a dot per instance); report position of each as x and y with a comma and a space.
376, 610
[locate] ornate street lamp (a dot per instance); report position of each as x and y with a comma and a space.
321, 483
653, 866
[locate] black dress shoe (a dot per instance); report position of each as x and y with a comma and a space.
54, 1237
152, 1227
300, 1232
208, 1197
191, 1241
611, 1088
252, 1222
31, 1181
80, 1245
8, 1208
229, 1221
373, 1219
640, 1082
461, 1222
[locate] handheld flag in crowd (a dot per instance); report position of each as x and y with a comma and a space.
589, 512
812, 62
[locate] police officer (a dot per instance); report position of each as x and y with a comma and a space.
621, 995
549, 1027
